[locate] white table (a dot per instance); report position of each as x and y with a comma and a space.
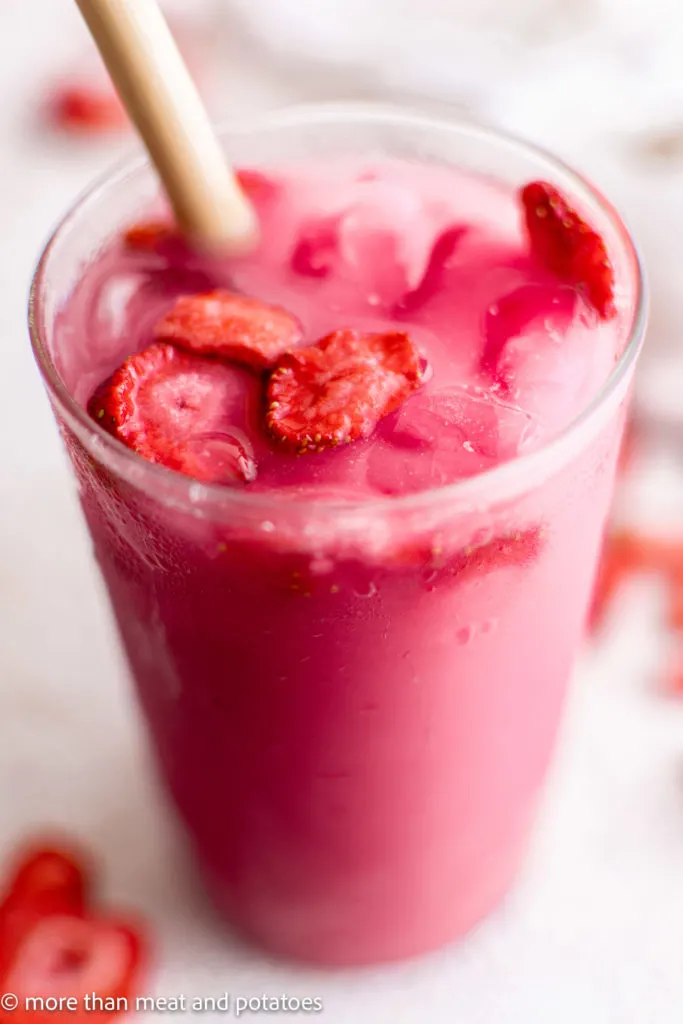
593, 933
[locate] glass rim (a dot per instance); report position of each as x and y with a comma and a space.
470, 489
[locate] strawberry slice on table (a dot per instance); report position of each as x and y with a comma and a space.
49, 878
564, 243
232, 326
339, 389
47, 881
626, 553
181, 411
87, 109
65, 957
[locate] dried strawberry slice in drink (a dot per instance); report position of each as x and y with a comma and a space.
149, 235
232, 326
517, 549
258, 186
564, 243
180, 411
512, 550
339, 389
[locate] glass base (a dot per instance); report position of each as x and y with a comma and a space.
362, 935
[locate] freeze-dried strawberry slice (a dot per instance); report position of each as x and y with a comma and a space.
258, 186
48, 881
340, 388
76, 958
516, 549
231, 326
181, 411
87, 109
564, 243
626, 553
513, 550
149, 235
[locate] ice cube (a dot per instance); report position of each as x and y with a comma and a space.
225, 457
445, 435
442, 249
544, 348
389, 211
374, 234
550, 306
342, 469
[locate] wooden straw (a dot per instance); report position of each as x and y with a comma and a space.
163, 103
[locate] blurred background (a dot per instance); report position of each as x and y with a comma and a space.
595, 930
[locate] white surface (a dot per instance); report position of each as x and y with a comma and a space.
594, 932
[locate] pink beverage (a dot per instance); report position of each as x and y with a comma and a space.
352, 657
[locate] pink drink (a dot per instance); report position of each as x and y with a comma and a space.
353, 666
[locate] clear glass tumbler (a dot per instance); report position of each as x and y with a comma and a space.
352, 704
